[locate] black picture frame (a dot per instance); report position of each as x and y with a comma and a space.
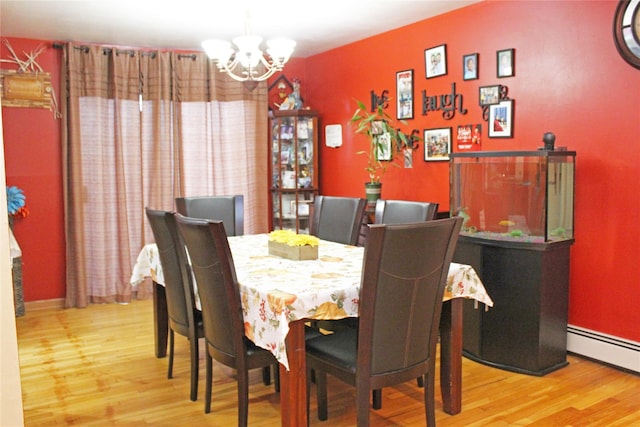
435, 61
505, 63
470, 69
488, 95
404, 94
437, 144
501, 119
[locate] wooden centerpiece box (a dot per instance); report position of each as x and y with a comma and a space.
298, 247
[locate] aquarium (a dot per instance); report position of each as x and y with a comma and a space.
521, 196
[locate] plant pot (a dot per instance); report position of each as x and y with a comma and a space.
373, 191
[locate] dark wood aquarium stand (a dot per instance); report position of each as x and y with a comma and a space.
526, 329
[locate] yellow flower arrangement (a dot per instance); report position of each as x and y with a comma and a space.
292, 239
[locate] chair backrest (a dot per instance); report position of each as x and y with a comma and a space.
177, 276
404, 276
213, 267
337, 219
404, 211
228, 209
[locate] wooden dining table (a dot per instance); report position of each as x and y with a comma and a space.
279, 296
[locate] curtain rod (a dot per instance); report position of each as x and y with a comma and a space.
106, 50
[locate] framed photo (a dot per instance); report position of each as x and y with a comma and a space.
404, 94
301, 207
384, 147
435, 61
377, 127
437, 144
501, 119
505, 61
470, 66
489, 95
284, 157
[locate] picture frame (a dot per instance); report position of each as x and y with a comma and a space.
488, 95
285, 157
501, 119
376, 127
437, 144
404, 94
505, 63
383, 142
278, 92
300, 208
470, 66
435, 61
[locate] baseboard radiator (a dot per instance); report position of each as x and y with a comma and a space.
605, 348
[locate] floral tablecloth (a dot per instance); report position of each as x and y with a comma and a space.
276, 291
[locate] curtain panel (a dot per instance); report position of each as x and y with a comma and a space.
141, 128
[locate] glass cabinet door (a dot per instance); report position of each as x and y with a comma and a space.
293, 173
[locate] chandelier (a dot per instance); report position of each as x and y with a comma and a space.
247, 64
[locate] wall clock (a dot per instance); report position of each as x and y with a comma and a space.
626, 31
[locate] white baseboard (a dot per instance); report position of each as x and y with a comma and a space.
606, 348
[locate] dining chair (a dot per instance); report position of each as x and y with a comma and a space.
224, 333
184, 317
337, 219
228, 209
404, 211
400, 212
404, 276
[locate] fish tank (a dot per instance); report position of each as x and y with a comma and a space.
515, 196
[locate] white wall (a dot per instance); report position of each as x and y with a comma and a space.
10, 387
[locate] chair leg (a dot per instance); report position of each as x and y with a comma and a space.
308, 392
429, 400
377, 398
362, 406
321, 395
194, 368
170, 371
276, 377
208, 381
266, 375
243, 398
420, 381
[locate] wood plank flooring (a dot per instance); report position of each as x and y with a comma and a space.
96, 367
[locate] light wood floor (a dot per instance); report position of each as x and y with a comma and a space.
96, 367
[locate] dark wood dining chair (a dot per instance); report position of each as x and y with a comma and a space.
401, 212
337, 219
184, 317
404, 276
212, 264
404, 211
228, 209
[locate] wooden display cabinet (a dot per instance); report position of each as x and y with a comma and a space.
293, 149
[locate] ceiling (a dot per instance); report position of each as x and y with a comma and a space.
316, 26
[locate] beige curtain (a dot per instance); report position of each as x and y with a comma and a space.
141, 129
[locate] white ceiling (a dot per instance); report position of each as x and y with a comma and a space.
317, 26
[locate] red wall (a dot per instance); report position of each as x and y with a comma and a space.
569, 80
33, 159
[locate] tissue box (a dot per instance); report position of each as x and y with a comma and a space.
296, 253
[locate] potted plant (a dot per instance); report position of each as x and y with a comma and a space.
382, 137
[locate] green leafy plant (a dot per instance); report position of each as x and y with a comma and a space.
383, 138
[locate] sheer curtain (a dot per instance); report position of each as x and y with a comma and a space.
141, 129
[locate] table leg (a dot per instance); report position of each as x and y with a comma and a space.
160, 320
451, 356
293, 383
